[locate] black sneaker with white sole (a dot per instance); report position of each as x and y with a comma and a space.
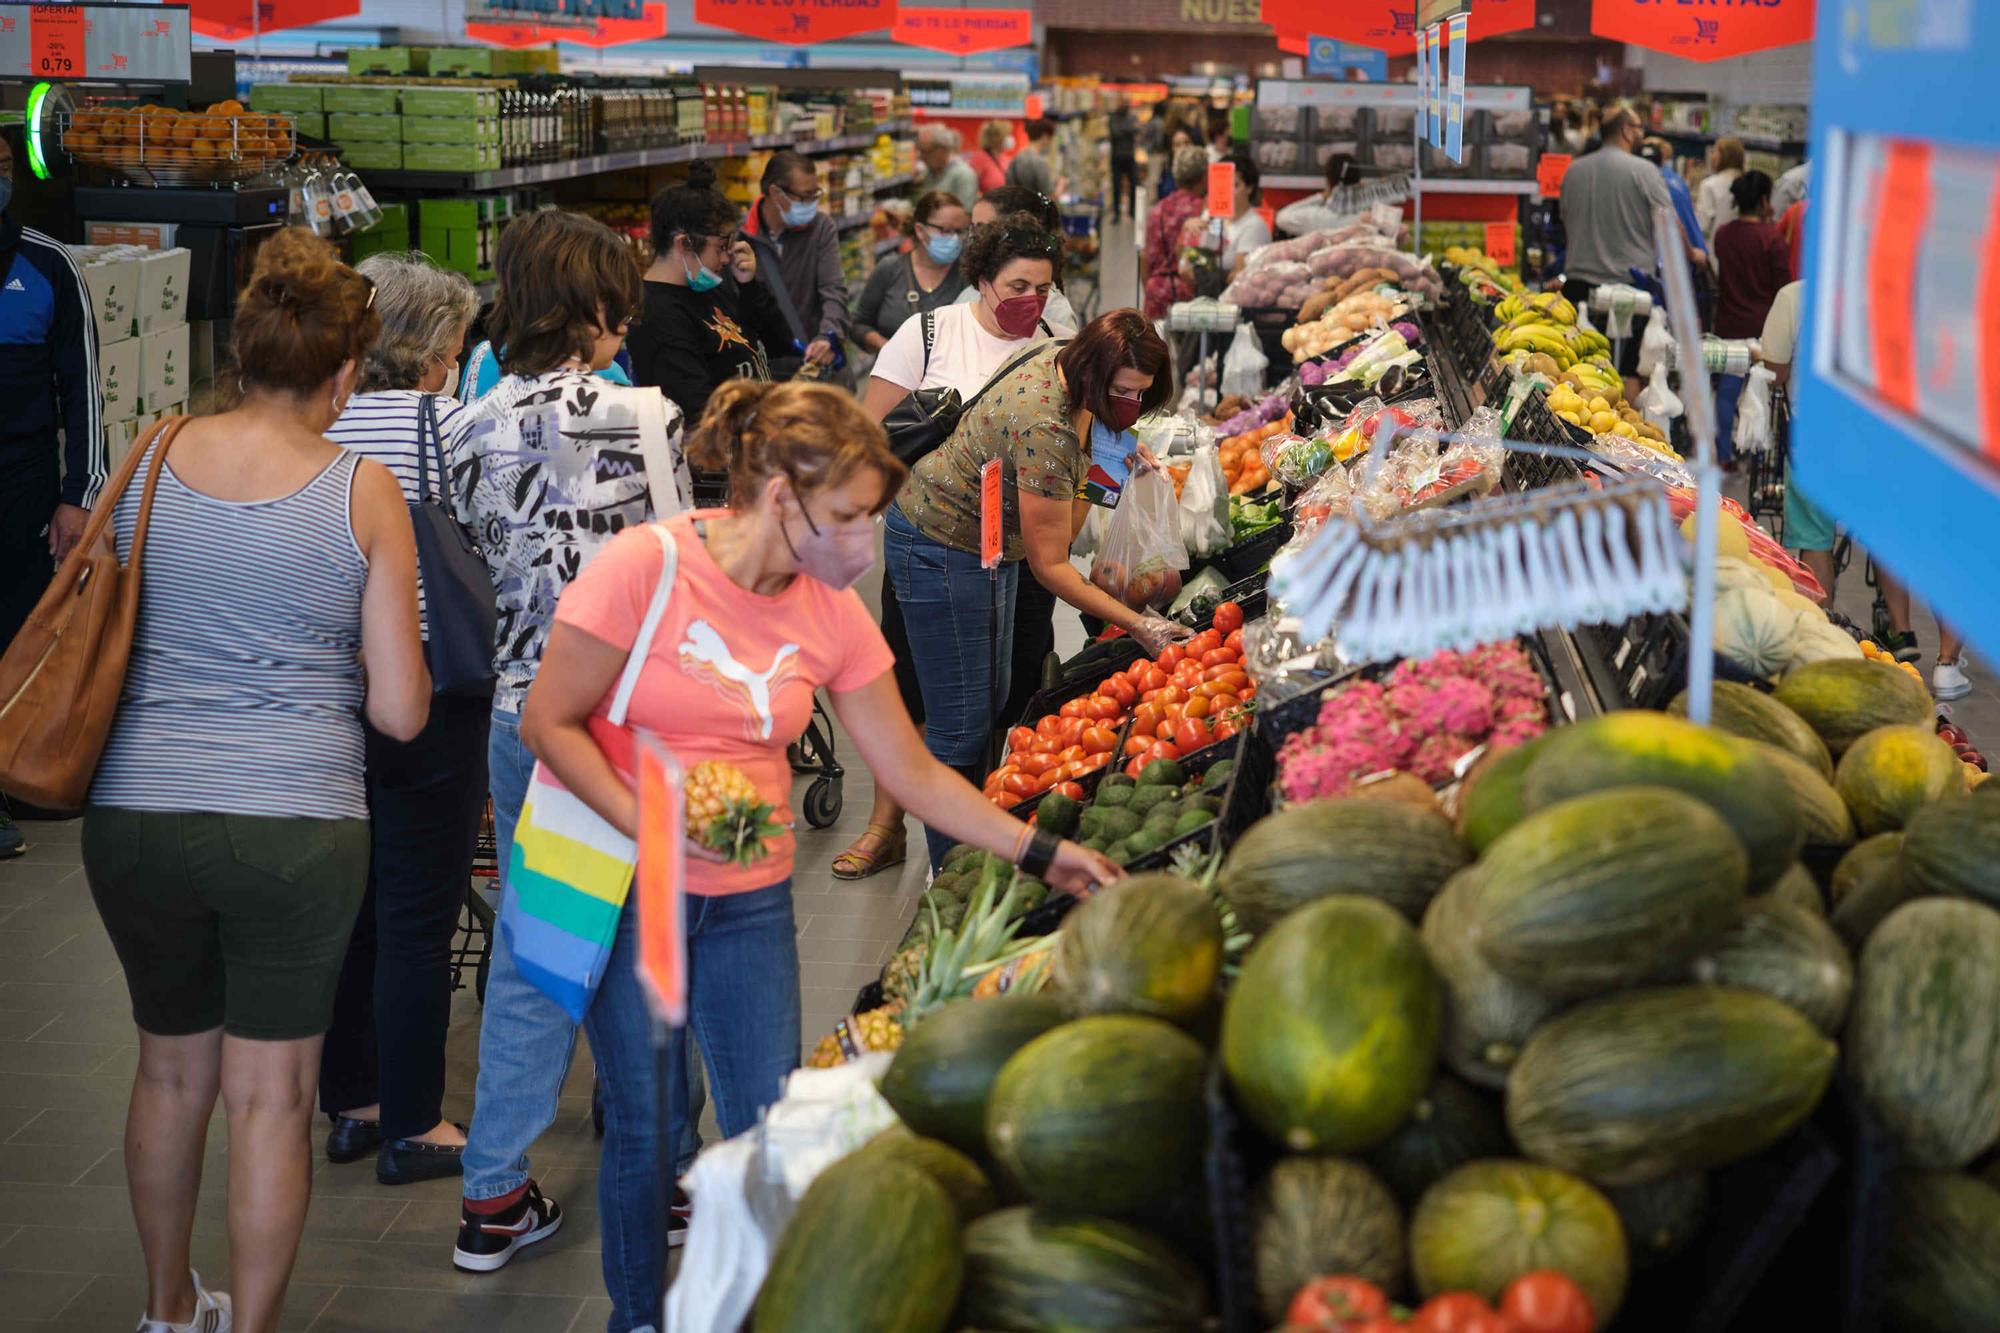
486, 1241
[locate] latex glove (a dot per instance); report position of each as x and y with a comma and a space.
1154, 633
1078, 871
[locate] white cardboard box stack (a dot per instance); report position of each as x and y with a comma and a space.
139, 299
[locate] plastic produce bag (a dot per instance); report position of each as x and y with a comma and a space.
1141, 557
1205, 504
1244, 364
1656, 345
1752, 431
1658, 403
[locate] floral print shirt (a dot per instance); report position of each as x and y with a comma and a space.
1020, 420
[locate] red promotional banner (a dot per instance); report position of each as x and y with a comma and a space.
522, 34
963, 32
1706, 32
797, 22
1386, 25
1294, 43
231, 20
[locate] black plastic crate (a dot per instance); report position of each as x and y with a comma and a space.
1248, 559
1235, 1159
1250, 593
1081, 675
1205, 838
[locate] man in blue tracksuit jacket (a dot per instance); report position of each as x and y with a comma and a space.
48, 379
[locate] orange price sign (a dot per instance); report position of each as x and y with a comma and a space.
991, 540
1222, 189
1549, 173
660, 879
1500, 243
55, 41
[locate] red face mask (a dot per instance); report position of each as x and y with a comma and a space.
1120, 413
1019, 316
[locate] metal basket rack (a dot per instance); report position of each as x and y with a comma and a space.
178, 149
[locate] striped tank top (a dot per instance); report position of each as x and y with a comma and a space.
244, 691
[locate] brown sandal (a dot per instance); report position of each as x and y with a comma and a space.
856, 862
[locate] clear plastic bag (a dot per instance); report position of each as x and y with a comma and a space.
1323, 501
1204, 504
1752, 431
1656, 345
1244, 364
1141, 557
1658, 403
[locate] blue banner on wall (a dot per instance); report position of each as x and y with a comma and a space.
1331, 58
1454, 96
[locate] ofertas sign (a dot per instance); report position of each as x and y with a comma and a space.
963, 32
1703, 31
797, 22
1391, 25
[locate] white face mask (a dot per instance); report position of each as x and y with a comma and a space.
450, 389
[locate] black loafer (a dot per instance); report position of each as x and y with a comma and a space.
407, 1161
351, 1140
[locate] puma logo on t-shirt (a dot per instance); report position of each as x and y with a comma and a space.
704, 648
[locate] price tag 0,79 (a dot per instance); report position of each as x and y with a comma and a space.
55, 41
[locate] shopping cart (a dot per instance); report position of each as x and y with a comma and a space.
472, 946
814, 753
1082, 257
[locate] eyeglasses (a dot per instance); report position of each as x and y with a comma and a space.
812, 198
371, 289
942, 231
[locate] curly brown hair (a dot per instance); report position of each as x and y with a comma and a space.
992, 247
302, 316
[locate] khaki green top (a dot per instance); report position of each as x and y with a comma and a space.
1021, 421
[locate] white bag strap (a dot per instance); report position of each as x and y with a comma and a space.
635, 662
665, 486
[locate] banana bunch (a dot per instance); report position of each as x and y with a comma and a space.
1592, 376
1548, 307
1593, 343
1537, 337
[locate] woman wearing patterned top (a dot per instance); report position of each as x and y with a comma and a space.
1032, 420
554, 463
226, 839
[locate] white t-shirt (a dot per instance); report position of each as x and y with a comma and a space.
963, 357
1058, 314
1780, 339
1244, 235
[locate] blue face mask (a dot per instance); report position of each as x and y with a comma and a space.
801, 212
701, 278
944, 249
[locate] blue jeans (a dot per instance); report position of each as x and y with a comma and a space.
1728, 389
947, 602
743, 1004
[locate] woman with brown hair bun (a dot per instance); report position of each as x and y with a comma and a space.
760, 613
226, 839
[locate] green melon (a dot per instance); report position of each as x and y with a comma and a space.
1316, 1215
1652, 1083
1923, 1044
1605, 890
1742, 710
1331, 1032
1488, 1015
941, 1075
960, 1175
1380, 849
1101, 1115
1869, 883
1788, 953
1941, 1271
1451, 1125
1490, 1222
1028, 1270
1642, 749
1796, 888
1661, 1218
874, 1245
1843, 699
1889, 774
1822, 812
1489, 803
1151, 944
1953, 847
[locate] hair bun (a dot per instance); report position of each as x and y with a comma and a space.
701, 176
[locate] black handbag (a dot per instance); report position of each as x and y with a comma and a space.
926, 418
459, 608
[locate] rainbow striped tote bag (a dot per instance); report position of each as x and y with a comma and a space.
569, 870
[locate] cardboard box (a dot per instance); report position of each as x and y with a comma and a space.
463, 60
143, 235
118, 378
389, 60
308, 124
366, 99
345, 127
117, 443
163, 368
297, 97
113, 278
365, 156
450, 129
163, 290
450, 157
484, 102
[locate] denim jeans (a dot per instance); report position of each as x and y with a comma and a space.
948, 611
1728, 392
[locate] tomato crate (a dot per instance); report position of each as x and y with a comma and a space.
1081, 675
1248, 592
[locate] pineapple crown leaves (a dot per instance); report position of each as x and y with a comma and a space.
741, 835
958, 955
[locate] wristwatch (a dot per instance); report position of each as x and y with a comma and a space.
1040, 853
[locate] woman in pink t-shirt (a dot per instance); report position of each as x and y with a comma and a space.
762, 613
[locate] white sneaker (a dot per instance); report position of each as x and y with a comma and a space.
212, 1313
1948, 681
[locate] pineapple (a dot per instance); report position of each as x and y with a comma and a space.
899, 978
856, 1035
725, 814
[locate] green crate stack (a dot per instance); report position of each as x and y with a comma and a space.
391, 235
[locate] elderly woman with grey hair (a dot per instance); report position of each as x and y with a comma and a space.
382, 1067
945, 172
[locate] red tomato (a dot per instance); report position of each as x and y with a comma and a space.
1228, 617
1456, 1312
1072, 752
1137, 744
1326, 1300
1073, 790
1546, 1301
1071, 770
1222, 702
1205, 642
1104, 708
1048, 779
1248, 692
1073, 708
1199, 706
1034, 765
1120, 688
1099, 740
1173, 694
1163, 750
1006, 800
1235, 678
1234, 639
1146, 719
1070, 731
1020, 738
1216, 657
1170, 657
1224, 730
1049, 727
1156, 677
1192, 734
1019, 784
1093, 762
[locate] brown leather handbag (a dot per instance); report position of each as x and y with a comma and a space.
61, 677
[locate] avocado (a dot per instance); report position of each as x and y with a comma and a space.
1161, 823
1149, 798
1113, 797
1121, 824
1192, 820
1094, 844
958, 854
1143, 841
1058, 814
1033, 892
1218, 774
1119, 851
1210, 804
1111, 780
1162, 773
951, 884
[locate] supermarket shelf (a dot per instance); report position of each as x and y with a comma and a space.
1430, 185
545, 173
843, 225
1763, 141
893, 183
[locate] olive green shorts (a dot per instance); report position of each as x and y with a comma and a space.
231, 921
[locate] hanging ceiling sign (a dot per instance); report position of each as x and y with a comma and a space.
1704, 32
1391, 25
608, 29
650, 25
797, 22
103, 43
963, 32
233, 21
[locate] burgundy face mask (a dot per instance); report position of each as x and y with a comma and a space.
1121, 413
1018, 316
